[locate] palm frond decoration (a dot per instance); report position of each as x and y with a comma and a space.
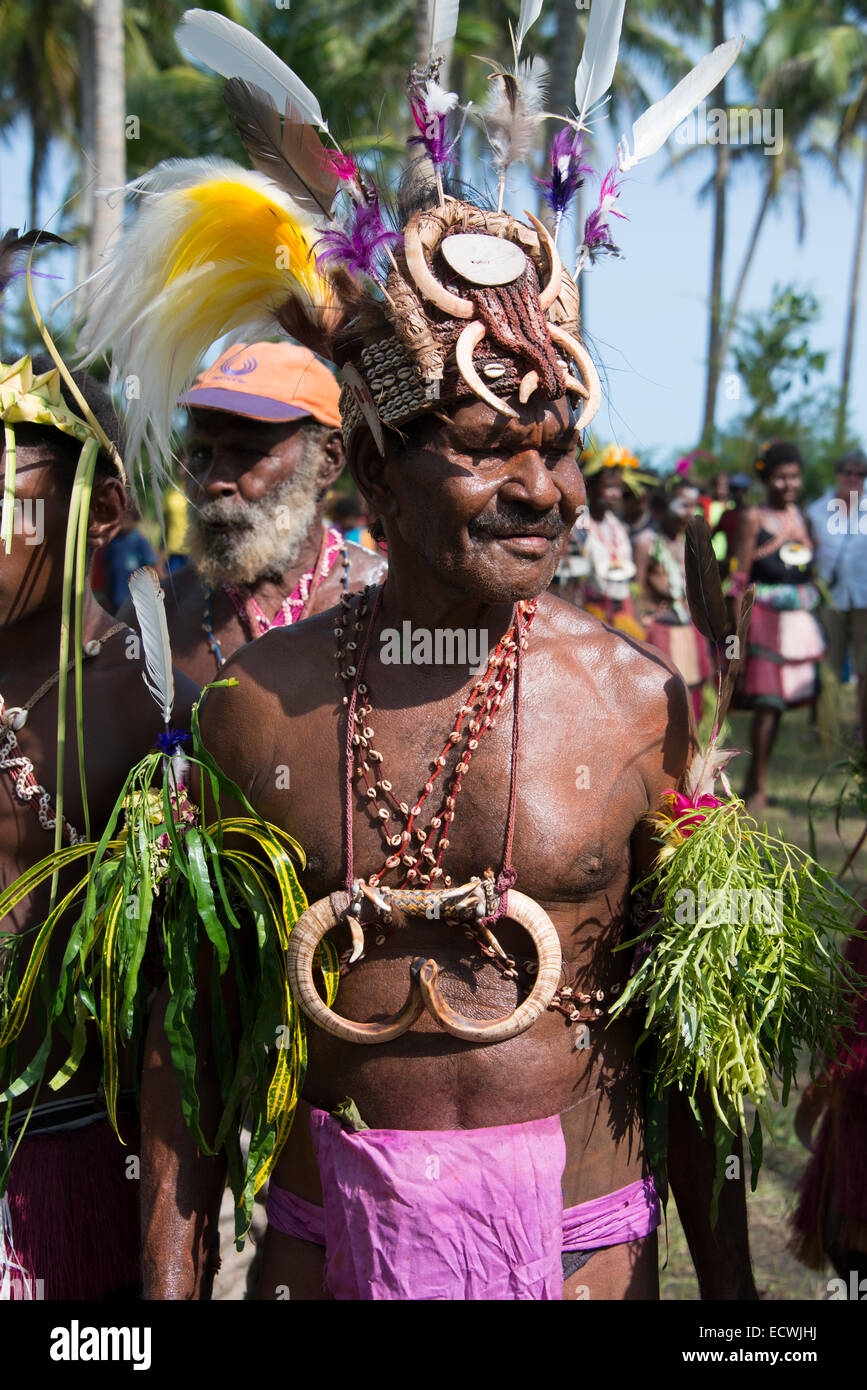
159, 879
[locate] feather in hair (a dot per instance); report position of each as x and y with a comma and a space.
512, 114
13, 248
232, 51
442, 22
149, 603
215, 249
704, 593
652, 129
599, 55
288, 152
530, 11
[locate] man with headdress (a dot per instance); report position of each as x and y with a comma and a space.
69, 1226
475, 919
262, 449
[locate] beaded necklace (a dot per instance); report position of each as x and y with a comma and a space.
423, 861
474, 718
19, 767
293, 608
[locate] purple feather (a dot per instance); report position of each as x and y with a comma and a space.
598, 237
359, 245
567, 168
171, 739
433, 133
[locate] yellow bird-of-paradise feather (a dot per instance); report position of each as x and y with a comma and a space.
215, 249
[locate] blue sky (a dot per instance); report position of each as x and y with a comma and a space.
647, 314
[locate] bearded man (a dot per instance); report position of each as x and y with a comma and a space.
263, 449
70, 1220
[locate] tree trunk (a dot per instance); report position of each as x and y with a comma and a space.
83, 259
849, 347
110, 135
745, 267
714, 362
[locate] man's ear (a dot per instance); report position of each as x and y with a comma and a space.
333, 460
369, 471
107, 508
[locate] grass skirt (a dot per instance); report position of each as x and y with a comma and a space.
783, 651
75, 1213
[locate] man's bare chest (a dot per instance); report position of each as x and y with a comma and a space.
576, 801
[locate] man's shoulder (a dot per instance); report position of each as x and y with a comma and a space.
285, 657
182, 587
626, 673
365, 566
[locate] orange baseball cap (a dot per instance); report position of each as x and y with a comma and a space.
267, 381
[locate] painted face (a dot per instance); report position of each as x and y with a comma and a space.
784, 484
31, 575
682, 506
486, 501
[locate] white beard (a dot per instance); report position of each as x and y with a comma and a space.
265, 537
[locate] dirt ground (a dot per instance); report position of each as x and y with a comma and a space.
799, 759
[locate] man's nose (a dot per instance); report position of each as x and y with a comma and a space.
532, 482
215, 476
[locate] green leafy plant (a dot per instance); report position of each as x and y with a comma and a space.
159, 877
733, 997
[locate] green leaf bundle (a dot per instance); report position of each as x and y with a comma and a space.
745, 970
161, 880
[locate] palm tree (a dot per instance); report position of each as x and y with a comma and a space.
38, 78
109, 135
812, 57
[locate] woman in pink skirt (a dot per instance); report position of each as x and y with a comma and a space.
785, 644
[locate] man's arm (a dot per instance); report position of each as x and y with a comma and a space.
181, 1187
720, 1253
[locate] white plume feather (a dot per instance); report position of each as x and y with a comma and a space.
149, 603
530, 11
232, 51
512, 113
442, 19
650, 131
599, 56
705, 767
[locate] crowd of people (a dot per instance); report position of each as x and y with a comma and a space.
366, 899
625, 564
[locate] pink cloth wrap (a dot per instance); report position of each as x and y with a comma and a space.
453, 1214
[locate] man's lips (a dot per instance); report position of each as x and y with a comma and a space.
526, 542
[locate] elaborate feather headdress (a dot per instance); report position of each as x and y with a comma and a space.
462, 301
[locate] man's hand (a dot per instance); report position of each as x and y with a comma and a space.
181, 1187
720, 1253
